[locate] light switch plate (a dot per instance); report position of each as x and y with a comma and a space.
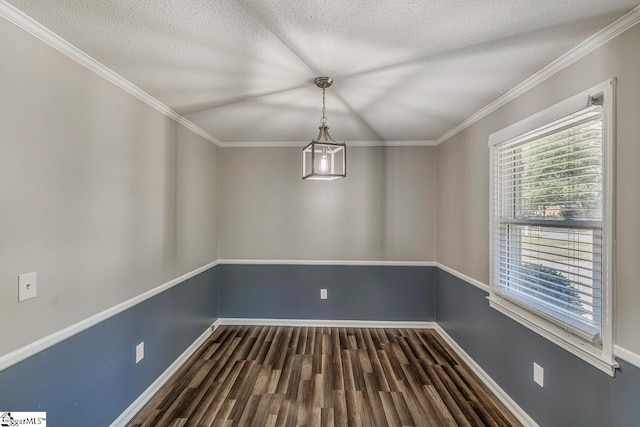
538, 374
27, 288
140, 352
323, 294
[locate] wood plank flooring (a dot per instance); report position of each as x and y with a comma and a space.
298, 376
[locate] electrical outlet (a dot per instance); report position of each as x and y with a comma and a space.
140, 352
323, 294
538, 374
27, 286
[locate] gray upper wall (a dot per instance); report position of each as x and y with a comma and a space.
383, 211
100, 194
463, 174
106, 198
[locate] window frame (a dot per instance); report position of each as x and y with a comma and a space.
600, 356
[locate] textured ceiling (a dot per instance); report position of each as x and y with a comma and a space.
404, 70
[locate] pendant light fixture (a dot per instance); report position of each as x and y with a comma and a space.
324, 158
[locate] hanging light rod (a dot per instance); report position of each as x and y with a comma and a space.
324, 158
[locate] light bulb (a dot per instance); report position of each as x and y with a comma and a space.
324, 164
324, 161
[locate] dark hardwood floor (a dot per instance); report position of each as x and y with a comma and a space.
298, 376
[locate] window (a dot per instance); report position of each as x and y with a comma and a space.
552, 193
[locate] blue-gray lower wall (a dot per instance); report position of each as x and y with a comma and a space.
91, 378
574, 394
354, 292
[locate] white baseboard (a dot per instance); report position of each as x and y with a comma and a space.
216, 324
515, 409
328, 262
327, 323
36, 29
137, 405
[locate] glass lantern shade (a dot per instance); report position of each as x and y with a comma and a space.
324, 160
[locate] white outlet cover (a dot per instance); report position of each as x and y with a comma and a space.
140, 352
323, 294
538, 374
27, 288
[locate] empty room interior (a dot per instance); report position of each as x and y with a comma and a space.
297, 213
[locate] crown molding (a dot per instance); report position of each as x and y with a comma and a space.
36, 29
406, 143
300, 144
33, 27
617, 27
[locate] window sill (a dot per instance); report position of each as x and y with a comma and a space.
555, 334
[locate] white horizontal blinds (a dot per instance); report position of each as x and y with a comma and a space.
549, 219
